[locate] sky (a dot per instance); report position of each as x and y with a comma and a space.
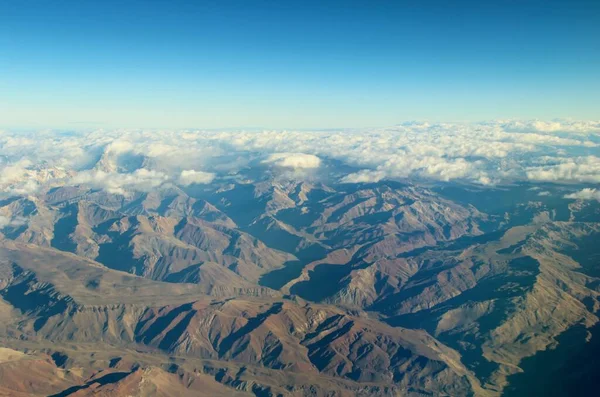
295, 64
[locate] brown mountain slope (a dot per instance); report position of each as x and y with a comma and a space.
153, 235
63, 300
24, 375
152, 381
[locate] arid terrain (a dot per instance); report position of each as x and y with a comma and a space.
291, 288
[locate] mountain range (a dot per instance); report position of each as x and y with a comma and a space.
286, 287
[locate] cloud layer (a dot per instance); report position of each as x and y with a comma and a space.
486, 153
585, 194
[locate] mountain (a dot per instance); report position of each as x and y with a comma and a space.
63, 300
285, 287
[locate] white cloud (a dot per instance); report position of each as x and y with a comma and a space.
585, 194
293, 160
22, 178
16, 221
578, 169
15, 172
113, 182
189, 177
4, 221
572, 126
364, 176
119, 146
484, 153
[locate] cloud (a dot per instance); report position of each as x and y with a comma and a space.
189, 177
585, 194
117, 183
578, 169
494, 152
119, 146
16, 172
572, 126
293, 160
22, 178
364, 176
16, 221
4, 221
142, 180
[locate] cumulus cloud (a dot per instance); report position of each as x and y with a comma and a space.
578, 169
16, 221
585, 194
293, 160
142, 180
189, 177
22, 178
364, 176
123, 160
113, 182
4, 221
572, 126
119, 146
15, 172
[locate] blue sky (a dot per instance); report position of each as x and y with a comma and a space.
295, 64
